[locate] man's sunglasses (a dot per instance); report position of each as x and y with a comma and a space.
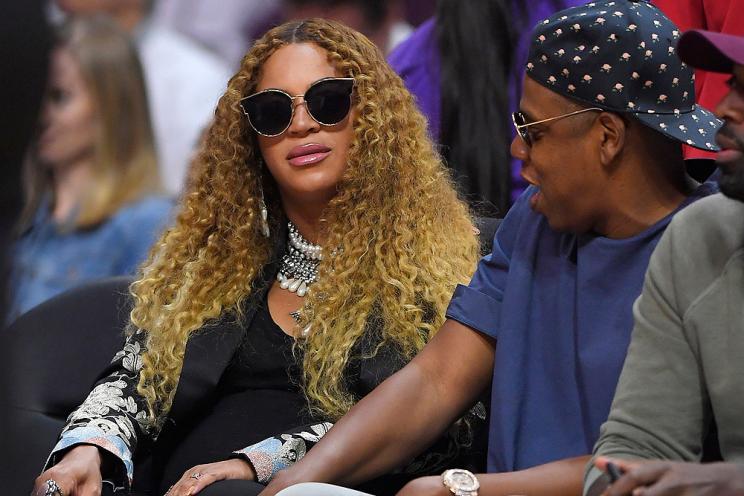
521, 124
327, 100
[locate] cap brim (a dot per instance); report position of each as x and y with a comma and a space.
696, 128
709, 51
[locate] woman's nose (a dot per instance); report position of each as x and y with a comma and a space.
302, 123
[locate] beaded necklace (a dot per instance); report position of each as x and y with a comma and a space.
299, 267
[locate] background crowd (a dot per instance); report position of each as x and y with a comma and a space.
461, 60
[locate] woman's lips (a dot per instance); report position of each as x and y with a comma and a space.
307, 154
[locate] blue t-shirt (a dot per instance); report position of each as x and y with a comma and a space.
559, 306
48, 260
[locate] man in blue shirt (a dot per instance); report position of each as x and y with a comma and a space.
546, 318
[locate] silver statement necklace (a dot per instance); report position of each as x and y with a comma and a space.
299, 267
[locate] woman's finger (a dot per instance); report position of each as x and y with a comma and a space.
207, 479
182, 485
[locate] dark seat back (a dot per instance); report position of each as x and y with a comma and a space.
49, 359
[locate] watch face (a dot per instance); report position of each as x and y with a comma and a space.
461, 480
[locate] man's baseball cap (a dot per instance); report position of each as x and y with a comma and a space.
620, 55
715, 52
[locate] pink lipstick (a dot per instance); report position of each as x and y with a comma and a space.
307, 154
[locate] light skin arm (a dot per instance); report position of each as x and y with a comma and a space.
559, 478
402, 416
78, 473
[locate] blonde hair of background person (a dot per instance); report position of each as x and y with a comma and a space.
124, 167
400, 238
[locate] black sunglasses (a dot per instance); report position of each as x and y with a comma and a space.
327, 100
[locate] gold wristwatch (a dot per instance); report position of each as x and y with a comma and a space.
460, 482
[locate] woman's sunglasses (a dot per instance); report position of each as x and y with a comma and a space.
327, 100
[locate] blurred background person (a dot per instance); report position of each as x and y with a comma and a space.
464, 95
227, 31
90, 179
25, 43
720, 16
382, 21
184, 81
465, 68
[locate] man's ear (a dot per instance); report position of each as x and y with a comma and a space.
614, 133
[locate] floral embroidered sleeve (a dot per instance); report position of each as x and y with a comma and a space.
113, 415
277, 453
271, 455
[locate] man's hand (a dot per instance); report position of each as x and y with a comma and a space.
199, 477
658, 478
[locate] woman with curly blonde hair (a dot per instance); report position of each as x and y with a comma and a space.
314, 254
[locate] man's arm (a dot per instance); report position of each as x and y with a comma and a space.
559, 478
402, 416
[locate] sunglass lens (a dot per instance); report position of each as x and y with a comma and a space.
519, 120
329, 101
270, 112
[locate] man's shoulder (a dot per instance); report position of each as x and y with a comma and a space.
700, 242
715, 222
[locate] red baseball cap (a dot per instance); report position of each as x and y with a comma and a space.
709, 51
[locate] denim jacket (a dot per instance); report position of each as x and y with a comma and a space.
48, 259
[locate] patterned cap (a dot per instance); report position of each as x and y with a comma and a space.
620, 55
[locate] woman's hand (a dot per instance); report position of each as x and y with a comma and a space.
199, 477
425, 486
77, 474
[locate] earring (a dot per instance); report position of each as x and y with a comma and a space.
263, 211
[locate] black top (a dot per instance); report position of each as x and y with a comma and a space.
258, 396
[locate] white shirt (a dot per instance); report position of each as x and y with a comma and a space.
184, 82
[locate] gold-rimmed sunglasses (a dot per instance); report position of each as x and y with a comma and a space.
521, 124
327, 101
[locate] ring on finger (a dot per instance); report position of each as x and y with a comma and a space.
196, 475
51, 488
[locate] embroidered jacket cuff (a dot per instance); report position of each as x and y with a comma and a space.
97, 437
265, 459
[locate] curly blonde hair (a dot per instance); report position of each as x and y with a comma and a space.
400, 272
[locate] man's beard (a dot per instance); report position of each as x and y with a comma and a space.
731, 178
